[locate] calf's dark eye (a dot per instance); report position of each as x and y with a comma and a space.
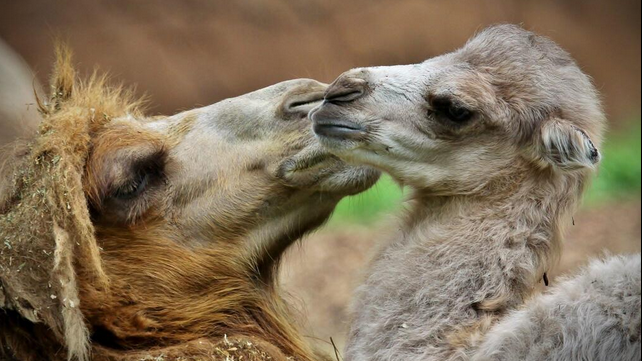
449, 109
458, 114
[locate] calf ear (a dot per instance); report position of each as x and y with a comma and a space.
566, 146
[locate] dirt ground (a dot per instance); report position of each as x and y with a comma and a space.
321, 274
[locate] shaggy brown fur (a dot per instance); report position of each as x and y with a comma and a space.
44, 220
78, 283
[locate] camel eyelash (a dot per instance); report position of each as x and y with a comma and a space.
132, 188
146, 172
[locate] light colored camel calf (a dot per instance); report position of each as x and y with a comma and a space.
497, 140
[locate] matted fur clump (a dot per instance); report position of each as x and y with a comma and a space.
45, 227
47, 240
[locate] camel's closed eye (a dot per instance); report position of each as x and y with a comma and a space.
143, 174
125, 182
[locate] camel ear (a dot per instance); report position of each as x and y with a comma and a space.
62, 80
566, 146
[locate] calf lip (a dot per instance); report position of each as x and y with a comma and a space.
340, 130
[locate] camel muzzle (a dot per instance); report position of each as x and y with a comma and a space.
341, 129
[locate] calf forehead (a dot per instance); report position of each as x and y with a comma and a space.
504, 45
527, 72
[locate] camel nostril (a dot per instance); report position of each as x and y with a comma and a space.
302, 103
343, 97
345, 90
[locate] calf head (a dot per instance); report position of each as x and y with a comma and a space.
508, 100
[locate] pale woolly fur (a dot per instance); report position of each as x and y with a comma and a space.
592, 316
491, 199
76, 332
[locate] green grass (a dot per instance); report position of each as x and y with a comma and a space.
368, 207
618, 178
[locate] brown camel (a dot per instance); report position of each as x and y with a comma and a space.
126, 237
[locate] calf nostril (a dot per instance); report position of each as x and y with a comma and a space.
345, 90
344, 96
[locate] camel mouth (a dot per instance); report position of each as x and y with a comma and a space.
339, 129
316, 168
306, 161
330, 124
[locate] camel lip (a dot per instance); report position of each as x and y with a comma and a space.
339, 129
328, 122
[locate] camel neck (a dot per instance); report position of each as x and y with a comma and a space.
536, 201
523, 226
463, 261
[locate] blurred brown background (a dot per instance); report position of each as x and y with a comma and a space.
190, 52
196, 52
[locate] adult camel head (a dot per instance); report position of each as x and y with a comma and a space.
142, 233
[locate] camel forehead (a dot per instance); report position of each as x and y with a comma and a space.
277, 91
503, 53
511, 44
229, 115
259, 104
507, 63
